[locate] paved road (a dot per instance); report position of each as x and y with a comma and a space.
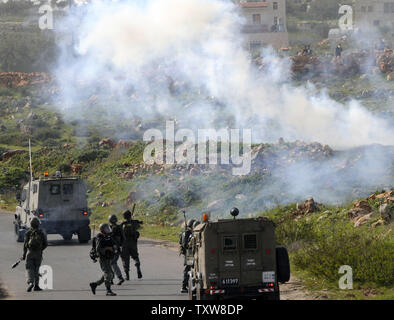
73, 270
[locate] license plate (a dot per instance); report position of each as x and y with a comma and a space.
230, 281
268, 276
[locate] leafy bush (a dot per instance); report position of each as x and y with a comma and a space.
44, 133
91, 155
370, 255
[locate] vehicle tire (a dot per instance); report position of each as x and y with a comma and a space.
282, 265
84, 235
192, 289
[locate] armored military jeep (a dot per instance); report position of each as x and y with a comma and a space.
236, 258
59, 202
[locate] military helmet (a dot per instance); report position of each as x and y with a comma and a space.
112, 218
35, 223
127, 214
190, 223
105, 228
196, 223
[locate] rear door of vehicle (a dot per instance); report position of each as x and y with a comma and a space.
229, 261
251, 266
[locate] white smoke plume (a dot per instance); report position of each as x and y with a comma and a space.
134, 46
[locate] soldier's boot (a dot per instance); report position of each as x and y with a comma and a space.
93, 286
30, 287
121, 280
127, 275
184, 290
37, 288
139, 273
109, 291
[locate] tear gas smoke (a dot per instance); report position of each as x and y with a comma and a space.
185, 60
136, 47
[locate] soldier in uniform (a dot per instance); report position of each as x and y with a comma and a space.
183, 243
104, 247
117, 235
129, 246
35, 243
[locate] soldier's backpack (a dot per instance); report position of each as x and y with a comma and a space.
35, 241
130, 231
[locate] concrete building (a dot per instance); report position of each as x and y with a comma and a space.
377, 13
265, 23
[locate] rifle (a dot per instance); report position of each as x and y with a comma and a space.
184, 218
132, 214
16, 263
182, 249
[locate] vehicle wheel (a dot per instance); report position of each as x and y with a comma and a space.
282, 264
192, 289
84, 235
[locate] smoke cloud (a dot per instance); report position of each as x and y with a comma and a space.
155, 60
133, 49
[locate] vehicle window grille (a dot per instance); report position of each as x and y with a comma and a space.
250, 241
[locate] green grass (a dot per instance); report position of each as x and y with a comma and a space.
321, 242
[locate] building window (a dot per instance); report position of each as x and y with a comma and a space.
376, 23
370, 8
275, 6
363, 9
256, 19
275, 20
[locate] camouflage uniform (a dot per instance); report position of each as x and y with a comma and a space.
130, 248
33, 258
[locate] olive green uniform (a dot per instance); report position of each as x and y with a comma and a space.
183, 243
130, 246
105, 247
118, 238
33, 256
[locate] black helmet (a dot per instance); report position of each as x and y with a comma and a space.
196, 223
35, 223
105, 228
234, 212
127, 214
113, 219
190, 223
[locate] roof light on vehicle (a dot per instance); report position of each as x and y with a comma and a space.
46, 174
205, 217
271, 284
85, 213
